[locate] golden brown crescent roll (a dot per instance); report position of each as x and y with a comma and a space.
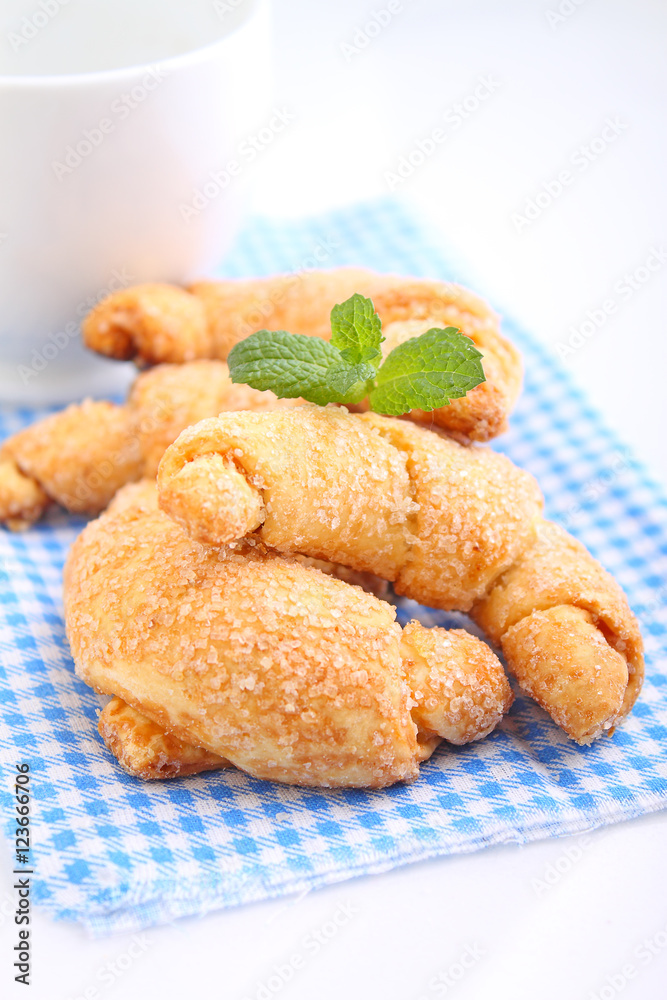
153, 322
568, 634
82, 455
440, 520
286, 672
482, 413
168, 398
145, 750
78, 458
163, 323
454, 527
22, 499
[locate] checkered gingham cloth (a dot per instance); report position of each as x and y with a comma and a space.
119, 854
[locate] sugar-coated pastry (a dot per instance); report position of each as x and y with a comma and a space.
284, 671
453, 527
152, 322
168, 398
147, 751
567, 633
78, 458
22, 499
155, 323
82, 455
440, 520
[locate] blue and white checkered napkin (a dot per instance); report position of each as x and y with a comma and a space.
115, 853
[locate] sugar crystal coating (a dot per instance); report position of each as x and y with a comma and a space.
285, 671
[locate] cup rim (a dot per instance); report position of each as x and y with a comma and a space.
86, 77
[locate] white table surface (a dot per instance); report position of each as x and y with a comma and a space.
581, 918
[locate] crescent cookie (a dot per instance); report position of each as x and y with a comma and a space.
284, 671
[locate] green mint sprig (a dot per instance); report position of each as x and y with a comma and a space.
423, 373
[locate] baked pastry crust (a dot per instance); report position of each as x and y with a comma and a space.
81, 456
287, 672
78, 458
438, 519
568, 634
146, 751
154, 323
454, 527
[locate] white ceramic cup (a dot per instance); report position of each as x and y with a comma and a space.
119, 120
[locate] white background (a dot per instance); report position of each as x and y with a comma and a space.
356, 114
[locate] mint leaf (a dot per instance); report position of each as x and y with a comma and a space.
292, 365
423, 373
349, 383
427, 372
356, 331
